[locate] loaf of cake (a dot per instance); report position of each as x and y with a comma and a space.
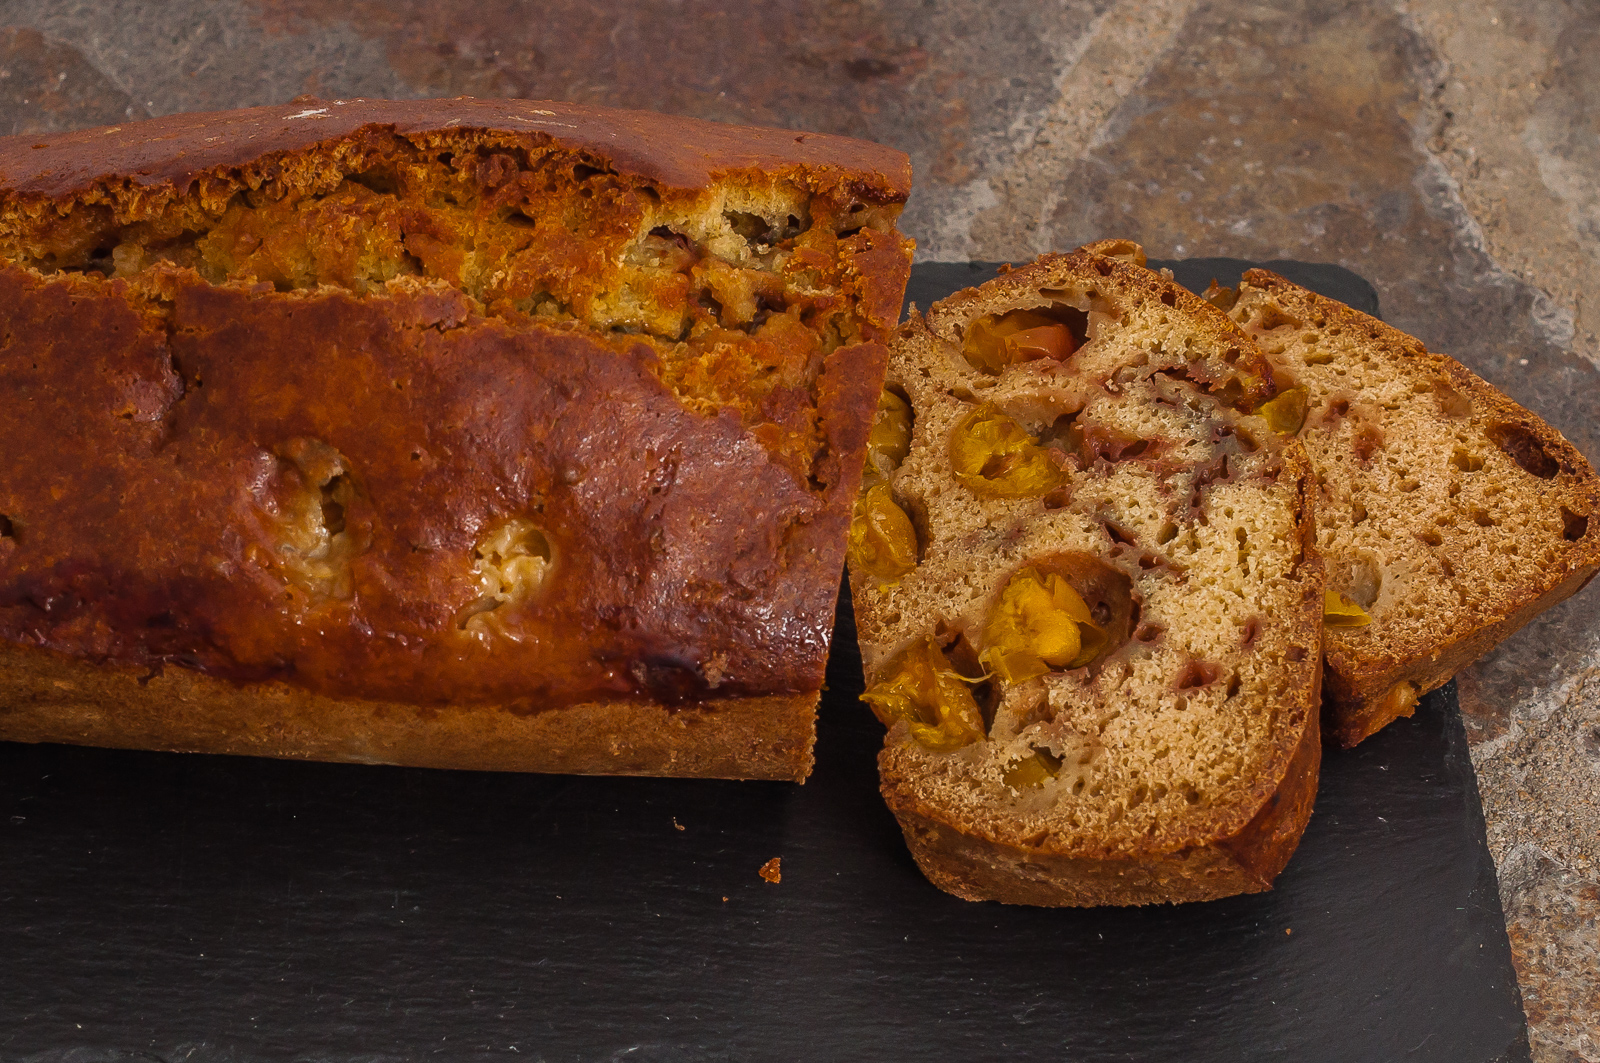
1088, 599
466, 433
1448, 515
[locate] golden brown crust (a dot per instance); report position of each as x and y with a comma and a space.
543, 420
177, 558
1366, 695
46, 697
1376, 674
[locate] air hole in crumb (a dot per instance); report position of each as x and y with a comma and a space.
332, 509
1197, 674
1573, 525
9, 530
1168, 532
1169, 297
1118, 535
1465, 460
1451, 402
1523, 447
1366, 580
1148, 633
752, 227
1481, 518
663, 233
1296, 653
1431, 536
1233, 685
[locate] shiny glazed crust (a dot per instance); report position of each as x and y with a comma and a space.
1376, 673
297, 515
981, 840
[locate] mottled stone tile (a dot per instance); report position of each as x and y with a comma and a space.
46, 86
1513, 112
956, 86
201, 55
1553, 918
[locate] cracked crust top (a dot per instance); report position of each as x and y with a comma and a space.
456, 401
171, 153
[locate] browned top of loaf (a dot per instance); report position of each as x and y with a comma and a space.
293, 392
675, 152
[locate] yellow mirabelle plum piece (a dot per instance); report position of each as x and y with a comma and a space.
1039, 625
925, 690
994, 342
1339, 611
883, 543
991, 454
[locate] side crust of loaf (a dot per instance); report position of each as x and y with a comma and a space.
545, 421
1062, 845
1494, 510
47, 697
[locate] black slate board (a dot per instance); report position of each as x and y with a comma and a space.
164, 907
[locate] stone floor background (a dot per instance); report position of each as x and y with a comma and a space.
1446, 150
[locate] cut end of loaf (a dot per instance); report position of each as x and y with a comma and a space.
1128, 464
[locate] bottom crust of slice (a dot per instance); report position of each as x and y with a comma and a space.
45, 697
1364, 697
976, 868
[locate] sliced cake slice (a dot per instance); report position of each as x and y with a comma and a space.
1448, 515
1087, 594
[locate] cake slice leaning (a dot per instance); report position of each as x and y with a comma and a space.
1087, 594
1449, 516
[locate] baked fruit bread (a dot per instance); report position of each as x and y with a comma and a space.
467, 433
1448, 515
1089, 604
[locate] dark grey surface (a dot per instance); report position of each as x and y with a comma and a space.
162, 907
